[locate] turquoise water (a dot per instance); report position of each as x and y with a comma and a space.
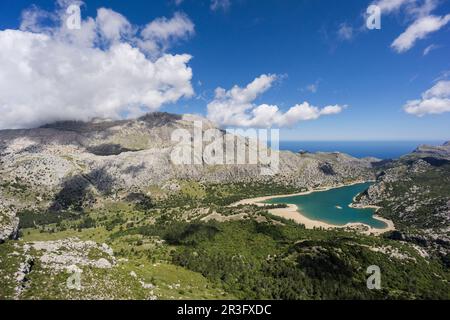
332, 206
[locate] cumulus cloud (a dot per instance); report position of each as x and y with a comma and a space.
235, 107
112, 25
434, 101
423, 22
419, 30
107, 68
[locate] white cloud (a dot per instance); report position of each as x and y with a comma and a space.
345, 32
434, 101
439, 90
112, 25
388, 6
417, 11
31, 19
419, 30
413, 8
50, 73
313, 87
443, 75
235, 107
166, 31
220, 5
430, 48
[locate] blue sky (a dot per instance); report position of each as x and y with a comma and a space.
299, 42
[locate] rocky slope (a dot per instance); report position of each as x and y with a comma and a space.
414, 191
9, 223
80, 270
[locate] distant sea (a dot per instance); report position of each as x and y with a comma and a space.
358, 149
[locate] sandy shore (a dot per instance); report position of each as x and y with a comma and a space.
293, 213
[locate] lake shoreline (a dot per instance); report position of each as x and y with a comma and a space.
292, 212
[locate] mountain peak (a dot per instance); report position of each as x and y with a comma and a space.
155, 119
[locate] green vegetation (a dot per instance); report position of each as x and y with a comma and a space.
164, 248
226, 194
424, 192
266, 261
30, 219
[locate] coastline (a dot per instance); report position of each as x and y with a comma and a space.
292, 212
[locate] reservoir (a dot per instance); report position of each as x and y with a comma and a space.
332, 206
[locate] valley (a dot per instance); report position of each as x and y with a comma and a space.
131, 225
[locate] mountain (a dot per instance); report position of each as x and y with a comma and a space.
73, 165
437, 152
98, 210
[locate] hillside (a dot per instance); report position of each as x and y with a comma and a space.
414, 191
103, 202
74, 165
